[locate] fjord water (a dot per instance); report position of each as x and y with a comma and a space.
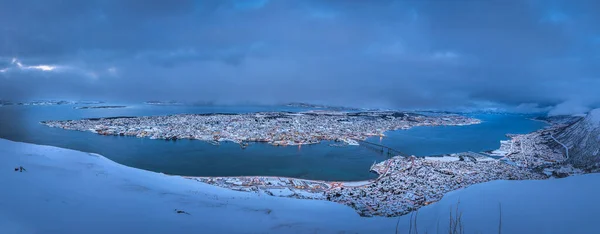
438, 140
197, 158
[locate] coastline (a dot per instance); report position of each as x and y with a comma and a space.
513, 165
329, 190
64, 184
322, 190
275, 128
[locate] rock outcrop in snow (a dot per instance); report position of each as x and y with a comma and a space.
583, 141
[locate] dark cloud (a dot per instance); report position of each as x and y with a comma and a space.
403, 54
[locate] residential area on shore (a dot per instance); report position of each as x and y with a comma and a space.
408, 183
405, 183
276, 128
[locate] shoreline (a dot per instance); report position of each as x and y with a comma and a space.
403, 184
452, 172
63, 184
275, 128
324, 190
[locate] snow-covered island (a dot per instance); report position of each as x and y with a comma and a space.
276, 128
97, 107
46, 103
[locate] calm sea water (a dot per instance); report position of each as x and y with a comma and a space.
196, 158
436, 140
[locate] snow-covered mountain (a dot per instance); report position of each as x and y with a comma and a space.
582, 138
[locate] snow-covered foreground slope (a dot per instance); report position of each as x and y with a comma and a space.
65, 191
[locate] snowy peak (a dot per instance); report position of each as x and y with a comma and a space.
593, 118
583, 140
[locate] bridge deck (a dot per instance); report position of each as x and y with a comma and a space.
390, 151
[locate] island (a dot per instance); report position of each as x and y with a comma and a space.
97, 107
275, 128
162, 103
46, 103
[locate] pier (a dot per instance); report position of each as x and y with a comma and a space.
381, 148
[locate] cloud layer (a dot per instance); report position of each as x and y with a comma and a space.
401, 54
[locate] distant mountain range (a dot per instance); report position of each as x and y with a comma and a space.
155, 102
582, 139
309, 105
46, 103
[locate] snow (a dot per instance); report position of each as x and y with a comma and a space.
594, 117
66, 191
356, 183
561, 144
306, 194
499, 153
283, 192
583, 140
443, 159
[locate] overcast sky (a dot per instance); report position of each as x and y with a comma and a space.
405, 54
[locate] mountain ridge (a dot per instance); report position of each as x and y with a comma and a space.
582, 139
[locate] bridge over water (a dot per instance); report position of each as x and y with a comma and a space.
381, 148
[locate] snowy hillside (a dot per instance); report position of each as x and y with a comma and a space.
66, 191
583, 140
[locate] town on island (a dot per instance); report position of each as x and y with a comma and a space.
404, 183
276, 128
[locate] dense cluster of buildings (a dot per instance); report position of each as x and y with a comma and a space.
531, 150
272, 186
409, 183
276, 128
539, 151
405, 183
